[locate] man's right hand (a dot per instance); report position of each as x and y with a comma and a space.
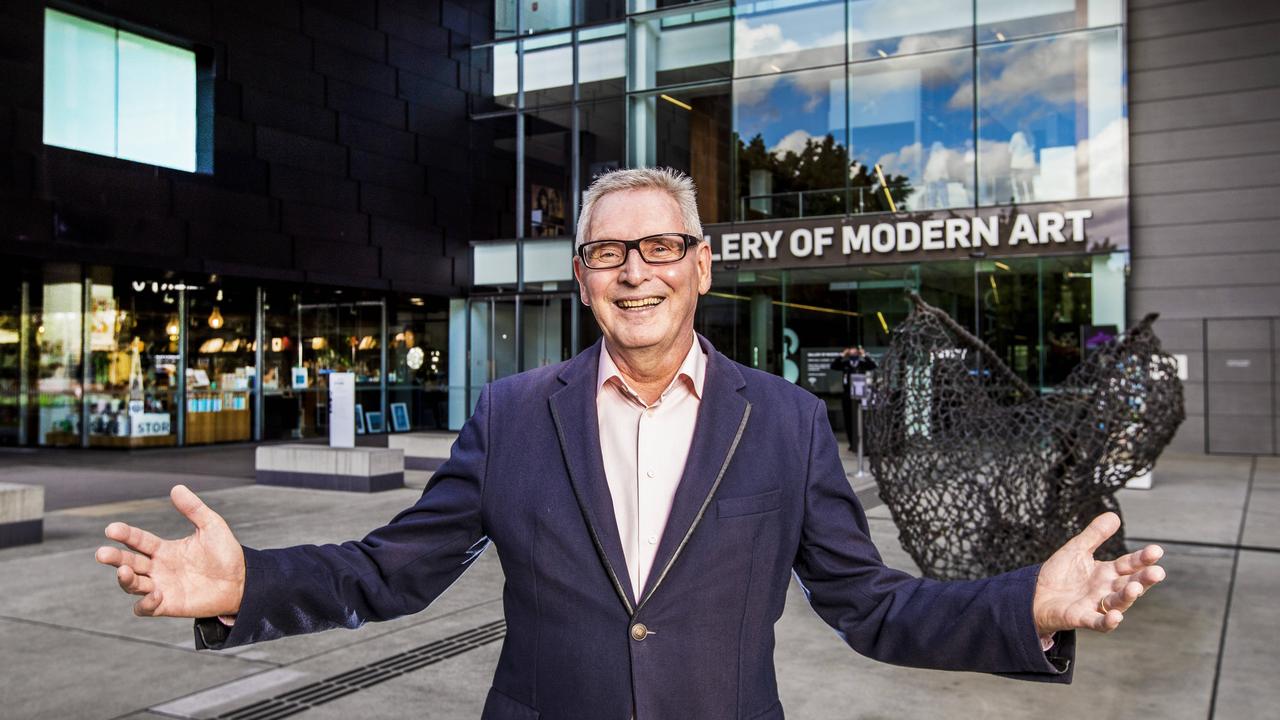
201, 575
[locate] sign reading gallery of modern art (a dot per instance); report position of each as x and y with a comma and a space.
1049, 228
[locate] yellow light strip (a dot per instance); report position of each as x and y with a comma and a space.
885, 186
675, 102
1001, 265
994, 289
883, 324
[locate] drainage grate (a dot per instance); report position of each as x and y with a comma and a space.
330, 689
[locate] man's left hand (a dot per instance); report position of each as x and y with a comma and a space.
1075, 591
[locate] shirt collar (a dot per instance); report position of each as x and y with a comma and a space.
693, 369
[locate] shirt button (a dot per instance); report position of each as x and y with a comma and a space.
649, 473
639, 632
653, 539
649, 412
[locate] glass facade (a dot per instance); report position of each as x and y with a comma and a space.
785, 110
117, 357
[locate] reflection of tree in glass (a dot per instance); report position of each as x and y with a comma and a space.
818, 172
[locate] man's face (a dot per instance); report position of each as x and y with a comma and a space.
612, 293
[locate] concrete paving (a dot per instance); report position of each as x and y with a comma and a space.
1202, 645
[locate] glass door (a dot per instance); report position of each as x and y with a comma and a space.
510, 333
340, 337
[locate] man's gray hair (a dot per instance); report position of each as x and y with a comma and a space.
671, 181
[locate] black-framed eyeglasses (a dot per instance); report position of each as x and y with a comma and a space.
657, 249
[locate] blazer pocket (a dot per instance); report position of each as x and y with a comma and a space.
503, 707
749, 505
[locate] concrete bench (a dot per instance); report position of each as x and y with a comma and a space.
358, 469
21, 514
423, 450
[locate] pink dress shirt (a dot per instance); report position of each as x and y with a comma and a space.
645, 448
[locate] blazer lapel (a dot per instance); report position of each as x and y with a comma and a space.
573, 409
722, 417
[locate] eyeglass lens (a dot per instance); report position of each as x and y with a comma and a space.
657, 249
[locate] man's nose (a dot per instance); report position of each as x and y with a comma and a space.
634, 269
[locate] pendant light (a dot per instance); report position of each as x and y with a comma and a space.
215, 319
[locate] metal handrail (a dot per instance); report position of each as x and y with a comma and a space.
845, 195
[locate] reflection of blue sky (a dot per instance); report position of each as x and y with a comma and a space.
898, 110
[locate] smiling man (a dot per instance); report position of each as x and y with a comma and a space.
649, 500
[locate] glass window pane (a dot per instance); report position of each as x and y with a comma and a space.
602, 62
548, 70
793, 158
221, 343
773, 36
493, 263
1052, 118
157, 106
674, 48
59, 322
79, 84
885, 28
602, 130
540, 15
591, 11
548, 260
134, 341
688, 130
913, 118
497, 79
1000, 20
548, 172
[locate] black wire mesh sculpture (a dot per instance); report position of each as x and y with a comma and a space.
981, 473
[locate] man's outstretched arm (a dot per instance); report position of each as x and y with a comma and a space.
988, 625
396, 570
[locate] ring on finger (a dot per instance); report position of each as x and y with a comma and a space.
1102, 606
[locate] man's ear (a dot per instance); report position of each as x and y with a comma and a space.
578, 272
703, 250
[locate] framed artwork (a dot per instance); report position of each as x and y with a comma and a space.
359, 419
373, 422
400, 417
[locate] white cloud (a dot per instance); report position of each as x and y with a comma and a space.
793, 141
1044, 70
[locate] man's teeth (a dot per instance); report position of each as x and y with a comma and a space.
631, 304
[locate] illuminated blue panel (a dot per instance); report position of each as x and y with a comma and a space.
79, 84
157, 108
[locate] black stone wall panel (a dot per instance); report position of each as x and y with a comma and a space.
392, 233
385, 171
424, 61
358, 37
226, 243
253, 69
199, 199
315, 221
414, 208
335, 62
277, 146
328, 256
268, 110
366, 104
309, 188
375, 138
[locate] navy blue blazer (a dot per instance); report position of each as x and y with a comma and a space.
763, 494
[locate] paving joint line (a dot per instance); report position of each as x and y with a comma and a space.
128, 638
1231, 589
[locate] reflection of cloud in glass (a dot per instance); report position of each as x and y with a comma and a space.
793, 141
762, 50
871, 20
1040, 75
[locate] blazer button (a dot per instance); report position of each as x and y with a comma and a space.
639, 632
